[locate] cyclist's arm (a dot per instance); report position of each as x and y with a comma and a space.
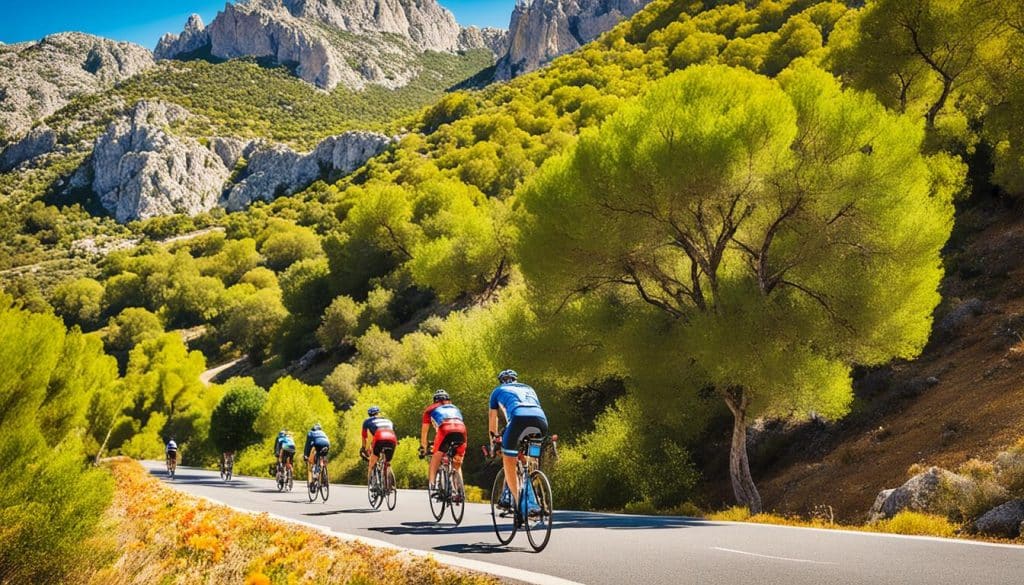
492, 421
307, 448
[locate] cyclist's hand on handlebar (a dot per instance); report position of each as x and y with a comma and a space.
423, 452
364, 454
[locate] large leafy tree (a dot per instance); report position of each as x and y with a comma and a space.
231, 424
779, 232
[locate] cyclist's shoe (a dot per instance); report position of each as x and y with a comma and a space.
505, 501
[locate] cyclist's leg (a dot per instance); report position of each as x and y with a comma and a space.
435, 458
372, 463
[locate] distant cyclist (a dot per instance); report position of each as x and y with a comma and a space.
171, 451
284, 449
523, 415
378, 438
451, 430
317, 443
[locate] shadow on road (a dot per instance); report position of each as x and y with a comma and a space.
564, 520
349, 511
428, 528
487, 548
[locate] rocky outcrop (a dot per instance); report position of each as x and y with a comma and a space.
493, 39
330, 42
39, 141
934, 490
140, 170
278, 170
1004, 520
541, 30
39, 78
193, 39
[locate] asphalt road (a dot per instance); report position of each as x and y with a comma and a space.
615, 549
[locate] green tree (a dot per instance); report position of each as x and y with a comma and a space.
341, 323
231, 424
79, 301
294, 406
132, 326
776, 232
254, 323
287, 245
305, 288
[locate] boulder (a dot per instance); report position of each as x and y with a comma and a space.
959, 316
933, 491
1004, 520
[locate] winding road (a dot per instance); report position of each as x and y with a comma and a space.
596, 549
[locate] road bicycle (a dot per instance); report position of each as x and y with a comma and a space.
318, 482
449, 491
538, 519
227, 466
285, 479
382, 486
172, 465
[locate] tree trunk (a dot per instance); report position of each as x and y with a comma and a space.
739, 465
103, 447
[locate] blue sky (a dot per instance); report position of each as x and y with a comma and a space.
143, 21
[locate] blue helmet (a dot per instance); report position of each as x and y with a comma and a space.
373, 411
507, 376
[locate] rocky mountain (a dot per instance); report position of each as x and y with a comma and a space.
139, 168
331, 42
38, 78
541, 30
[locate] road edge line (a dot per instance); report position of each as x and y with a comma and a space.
521, 575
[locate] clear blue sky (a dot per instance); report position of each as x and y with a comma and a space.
143, 21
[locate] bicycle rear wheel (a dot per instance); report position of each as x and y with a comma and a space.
457, 491
289, 479
229, 471
391, 488
373, 489
439, 497
312, 486
503, 517
325, 483
538, 526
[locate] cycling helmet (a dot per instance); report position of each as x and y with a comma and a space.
507, 375
373, 411
441, 396
317, 427
282, 433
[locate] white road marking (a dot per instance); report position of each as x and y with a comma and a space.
743, 552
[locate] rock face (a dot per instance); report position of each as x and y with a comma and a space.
39, 141
922, 493
39, 78
494, 39
140, 169
279, 170
1002, 520
541, 30
331, 42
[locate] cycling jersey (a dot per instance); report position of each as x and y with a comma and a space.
316, 439
172, 447
285, 444
523, 413
383, 432
440, 412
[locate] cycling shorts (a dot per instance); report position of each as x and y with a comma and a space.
172, 455
519, 427
451, 432
319, 451
287, 457
385, 441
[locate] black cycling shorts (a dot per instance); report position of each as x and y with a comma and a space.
320, 451
518, 429
172, 455
287, 457
386, 447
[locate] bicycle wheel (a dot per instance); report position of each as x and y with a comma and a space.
439, 497
457, 491
222, 471
391, 489
230, 471
280, 477
289, 479
325, 483
313, 488
376, 495
502, 516
538, 525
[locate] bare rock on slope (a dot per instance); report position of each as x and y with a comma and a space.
930, 491
38, 78
1004, 520
192, 39
39, 141
541, 30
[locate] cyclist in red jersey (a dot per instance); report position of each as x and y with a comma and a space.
451, 430
384, 440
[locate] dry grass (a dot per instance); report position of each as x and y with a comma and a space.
917, 524
167, 537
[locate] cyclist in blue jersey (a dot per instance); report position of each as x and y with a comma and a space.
523, 415
379, 439
315, 438
451, 430
284, 449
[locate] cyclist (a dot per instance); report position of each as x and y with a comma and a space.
284, 449
171, 451
316, 437
224, 458
451, 430
382, 433
523, 416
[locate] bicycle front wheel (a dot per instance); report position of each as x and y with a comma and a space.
373, 489
312, 487
289, 479
457, 491
325, 483
538, 521
229, 472
439, 497
391, 489
502, 512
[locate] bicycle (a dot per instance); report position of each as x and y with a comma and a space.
318, 482
449, 491
227, 467
172, 466
537, 522
285, 479
382, 486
